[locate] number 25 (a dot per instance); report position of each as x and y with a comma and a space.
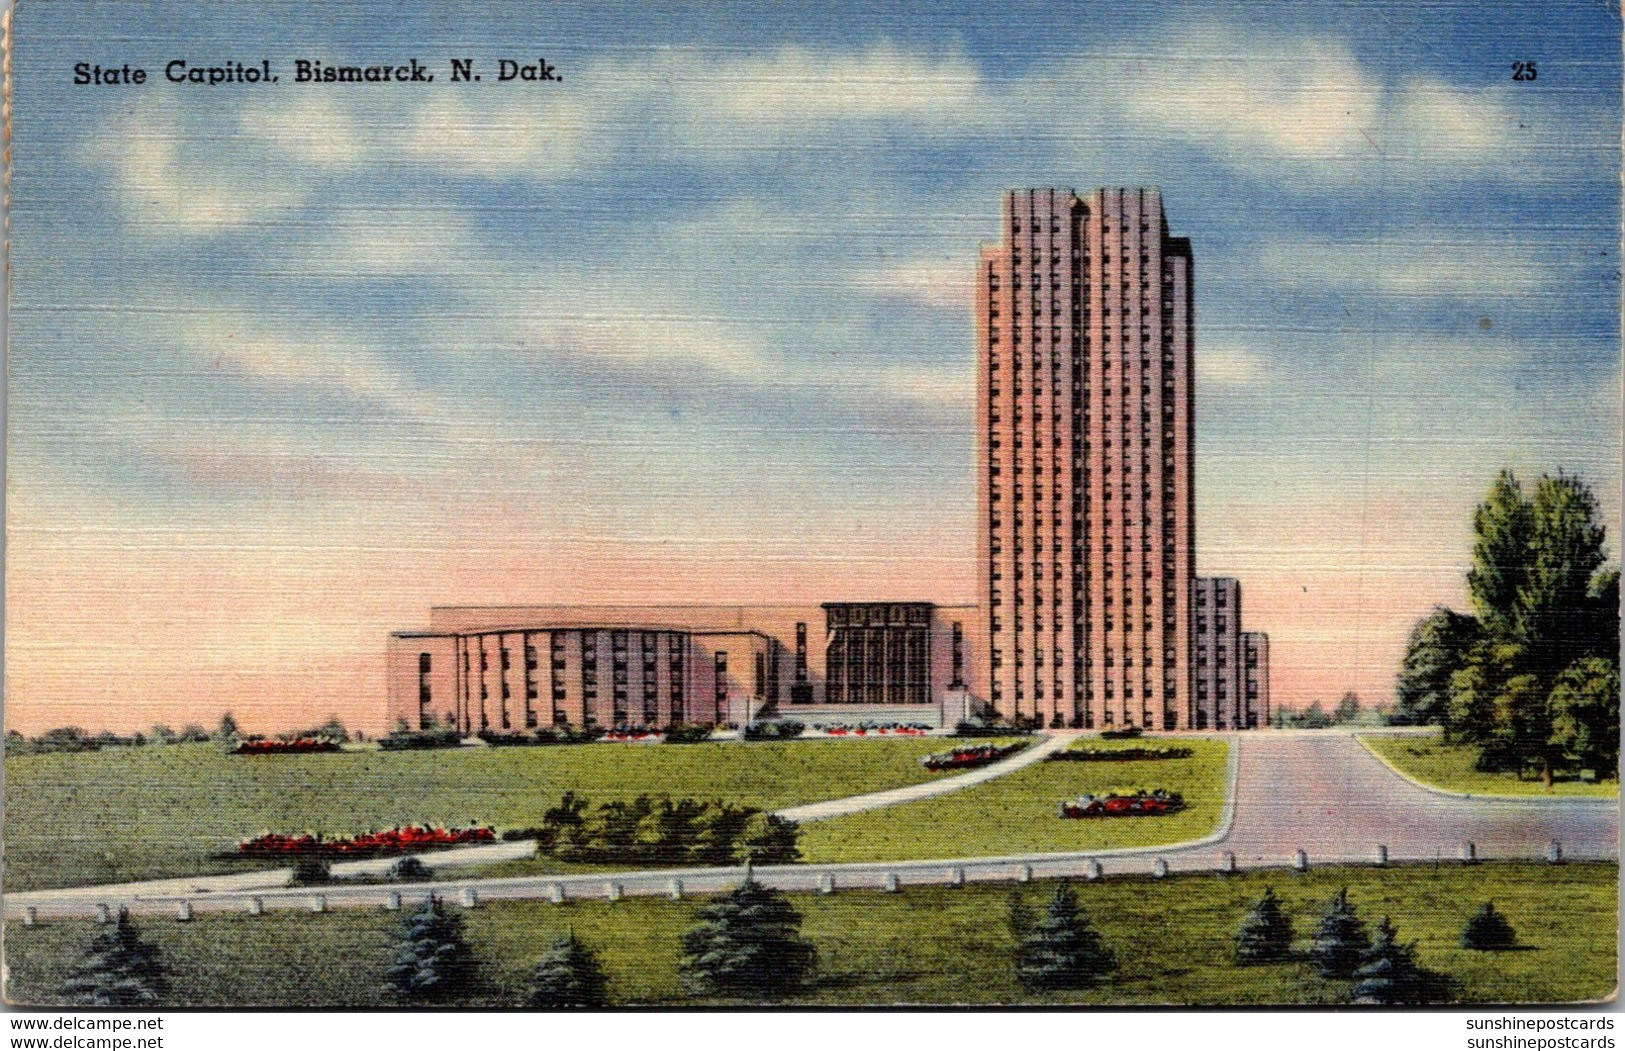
1523, 71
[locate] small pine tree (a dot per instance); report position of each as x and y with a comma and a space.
748, 941
1266, 932
1340, 940
1062, 951
567, 975
119, 969
432, 963
1488, 931
1389, 974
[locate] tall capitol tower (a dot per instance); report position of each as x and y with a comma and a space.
1086, 501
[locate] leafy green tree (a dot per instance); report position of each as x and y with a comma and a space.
747, 942
1348, 709
768, 839
119, 969
228, 730
1545, 602
1585, 716
567, 975
678, 828
163, 734
1437, 648
1565, 555
1488, 931
1062, 951
432, 963
1339, 940
1503, 527
1266, 932
562, 823
716, 834
1602, 618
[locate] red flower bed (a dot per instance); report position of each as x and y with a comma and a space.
630, 735
1139, 804
301, 746
371, 844
968, 757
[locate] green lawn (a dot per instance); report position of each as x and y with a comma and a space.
1017, 814
1450, 766
923, 946
143, 813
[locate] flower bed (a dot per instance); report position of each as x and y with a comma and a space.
1120, 755
970, 757
299, 746
873, 729
371, 844
1124, 804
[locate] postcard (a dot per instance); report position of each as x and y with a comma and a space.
526, 507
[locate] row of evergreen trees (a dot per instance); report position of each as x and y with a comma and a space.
745, 943
1383, 968
1531, 677
748, 943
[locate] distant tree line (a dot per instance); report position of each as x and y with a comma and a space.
1530, 678
1315, 717
77, 739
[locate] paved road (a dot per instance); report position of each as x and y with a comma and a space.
1035, 752
1320, 793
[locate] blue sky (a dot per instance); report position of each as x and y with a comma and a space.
290, 364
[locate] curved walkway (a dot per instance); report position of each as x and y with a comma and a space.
1322, 794
1035, 752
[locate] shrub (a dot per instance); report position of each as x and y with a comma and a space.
311, 870
1266, 932
119, 969
783, 731
432, 962
1340, 940
411, 740
567, 975
1488, 931
991, 729
1062, 951
687, 733
409, 870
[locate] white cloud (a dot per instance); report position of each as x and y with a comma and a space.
162, 183
1253, 97
309, 129
313, 358
1227, 366
795, 85
933, 283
